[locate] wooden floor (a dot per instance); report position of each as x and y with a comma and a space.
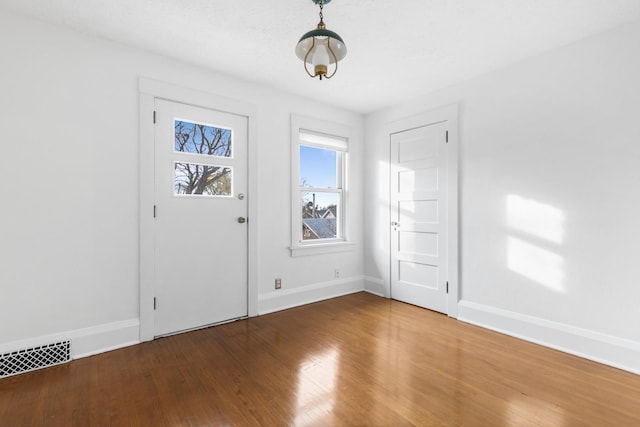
358, 360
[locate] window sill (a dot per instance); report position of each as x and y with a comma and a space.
321, 248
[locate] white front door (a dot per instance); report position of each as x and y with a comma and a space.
200, 224
418, 196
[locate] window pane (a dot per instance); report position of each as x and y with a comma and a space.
196, 179
320, 215
318, 167
202, 139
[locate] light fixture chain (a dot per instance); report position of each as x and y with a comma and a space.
321, 3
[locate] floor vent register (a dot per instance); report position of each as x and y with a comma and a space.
30, 359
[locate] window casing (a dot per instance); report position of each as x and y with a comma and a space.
319, 196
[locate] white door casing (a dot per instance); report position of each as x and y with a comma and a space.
150, 91
423, 210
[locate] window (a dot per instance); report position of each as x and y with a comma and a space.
319, 191
203, 141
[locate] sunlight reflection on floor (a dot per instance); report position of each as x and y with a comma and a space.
531, 411
316, 387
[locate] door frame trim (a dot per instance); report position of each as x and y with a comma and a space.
444, 114
149, 90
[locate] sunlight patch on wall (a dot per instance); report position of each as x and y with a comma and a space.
540, 230
383, 198
535, 263
535, 218
317, 388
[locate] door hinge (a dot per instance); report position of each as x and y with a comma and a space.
447, 136
154, 303
154, 116
447, 287
154, 211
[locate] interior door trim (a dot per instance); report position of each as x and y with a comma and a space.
149, 90
444, 114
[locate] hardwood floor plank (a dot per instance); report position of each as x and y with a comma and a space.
358, 360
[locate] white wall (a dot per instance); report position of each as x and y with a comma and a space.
549, 197
69, 167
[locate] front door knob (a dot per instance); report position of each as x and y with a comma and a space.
242, 220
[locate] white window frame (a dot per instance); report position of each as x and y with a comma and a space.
326, 135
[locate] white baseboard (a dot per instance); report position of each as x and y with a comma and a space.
375, 286
107, 337
87, 341
609, 350
378, 294
289, 298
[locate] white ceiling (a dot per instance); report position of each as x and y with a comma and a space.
397, 49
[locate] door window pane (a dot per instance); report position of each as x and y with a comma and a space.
198, 179
199, 138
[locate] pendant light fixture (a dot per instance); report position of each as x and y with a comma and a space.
321, 48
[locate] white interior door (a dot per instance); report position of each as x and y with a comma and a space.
200, 224
419, 216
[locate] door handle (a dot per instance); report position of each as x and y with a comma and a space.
242, 220
395, 224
